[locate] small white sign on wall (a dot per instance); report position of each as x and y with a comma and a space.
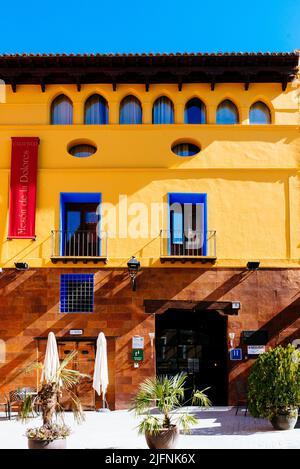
256, 349
76, 332
137, 342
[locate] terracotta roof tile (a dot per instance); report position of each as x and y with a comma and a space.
150, 54
96, 67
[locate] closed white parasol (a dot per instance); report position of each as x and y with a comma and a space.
51, 362
100, 381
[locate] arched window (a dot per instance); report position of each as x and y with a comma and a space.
130, 111
163, 111
259, 113
194, 112
61, 110
96, 110
227, 113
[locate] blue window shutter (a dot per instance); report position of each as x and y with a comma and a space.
73, 223
177, 224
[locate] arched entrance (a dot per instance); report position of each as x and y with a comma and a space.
194, 342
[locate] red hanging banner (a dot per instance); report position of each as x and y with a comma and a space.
22, 197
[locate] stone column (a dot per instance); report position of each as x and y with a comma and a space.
78, 112
211, 111
179, 112
113, 115
147, 112
244, 115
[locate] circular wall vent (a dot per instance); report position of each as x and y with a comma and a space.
82, 150
185, 149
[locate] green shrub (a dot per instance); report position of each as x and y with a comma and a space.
274, 383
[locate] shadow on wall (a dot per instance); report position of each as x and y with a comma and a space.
140, 188
282, 329
33, 251
31, 299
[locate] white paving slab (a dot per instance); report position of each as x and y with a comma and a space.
217, 427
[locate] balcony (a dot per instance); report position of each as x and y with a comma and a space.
79, 246
192, 246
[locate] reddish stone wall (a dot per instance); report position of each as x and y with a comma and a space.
29, 307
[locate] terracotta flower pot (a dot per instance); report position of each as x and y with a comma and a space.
60, 443
285, 421
165, 439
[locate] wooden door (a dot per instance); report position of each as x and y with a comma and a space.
64, 349
84, 363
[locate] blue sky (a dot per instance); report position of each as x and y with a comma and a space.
152, 26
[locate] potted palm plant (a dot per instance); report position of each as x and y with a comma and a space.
53, 433
167, 395
274, 387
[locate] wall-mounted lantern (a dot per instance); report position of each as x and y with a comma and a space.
253, 265
231, 336
235, 305
133, 267
21, 266
152, 337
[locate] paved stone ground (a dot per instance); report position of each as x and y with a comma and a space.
217, 427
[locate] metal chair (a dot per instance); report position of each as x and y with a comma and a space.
14, 401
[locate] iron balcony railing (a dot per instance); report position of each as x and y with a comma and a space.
192, 243
87, 244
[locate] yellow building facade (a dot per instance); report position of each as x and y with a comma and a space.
249, 173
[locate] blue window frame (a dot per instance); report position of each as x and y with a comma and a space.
76, 293
187, 221
71, 221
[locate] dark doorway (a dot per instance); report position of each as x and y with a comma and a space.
194, 342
